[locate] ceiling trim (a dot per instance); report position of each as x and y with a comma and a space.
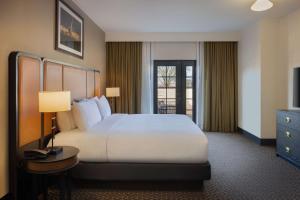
171, 37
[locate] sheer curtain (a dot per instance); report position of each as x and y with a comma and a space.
199, 85
147, 79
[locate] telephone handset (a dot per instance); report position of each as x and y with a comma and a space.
35, 154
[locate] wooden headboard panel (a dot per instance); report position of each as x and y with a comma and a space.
53, 80
29, 81
60, 76
75, 81
29, 74
82, 82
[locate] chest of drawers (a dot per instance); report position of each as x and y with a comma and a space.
288, 135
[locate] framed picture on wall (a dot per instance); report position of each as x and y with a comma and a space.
69, 33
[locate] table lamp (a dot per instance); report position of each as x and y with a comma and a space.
52, 102
112, 92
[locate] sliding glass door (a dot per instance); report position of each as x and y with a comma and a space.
174, 87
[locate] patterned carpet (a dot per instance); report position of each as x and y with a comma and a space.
241, 170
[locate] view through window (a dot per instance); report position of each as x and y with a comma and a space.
174, 87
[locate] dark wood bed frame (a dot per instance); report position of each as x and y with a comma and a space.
84, 170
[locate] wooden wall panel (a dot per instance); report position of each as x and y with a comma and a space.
29, 87
53, 81
74, 80
97, 84
90, 84
53, 76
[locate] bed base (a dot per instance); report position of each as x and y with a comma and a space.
142, 171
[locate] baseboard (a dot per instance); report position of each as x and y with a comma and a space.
6, 197
260, 141
268, 142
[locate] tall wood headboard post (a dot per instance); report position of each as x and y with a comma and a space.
28, 75
21, 98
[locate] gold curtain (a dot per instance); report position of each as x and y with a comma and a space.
124, 70
220, 86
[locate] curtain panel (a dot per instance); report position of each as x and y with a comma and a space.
147, 79
200, 84
220, 86
124, 70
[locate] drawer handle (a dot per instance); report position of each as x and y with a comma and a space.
288, 119
287, 149
288, 134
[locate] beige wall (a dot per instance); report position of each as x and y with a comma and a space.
174, 50
291, 22
29, 26
262, 77
249, 80
279, 41
273, 75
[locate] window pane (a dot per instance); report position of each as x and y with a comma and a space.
166, 81
171, 106
161, 106
189, 71
171, 111
161, 71
189, 104
171, 71
171, 93
189, 93
161, 83
171, 81
189, 82
161, 93
171, 102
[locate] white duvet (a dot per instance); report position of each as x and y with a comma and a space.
142, 138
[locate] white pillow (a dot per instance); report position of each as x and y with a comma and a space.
86, 114
65, 121
103, 106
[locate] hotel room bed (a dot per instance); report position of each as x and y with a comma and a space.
121, 147
142, 138
140, 147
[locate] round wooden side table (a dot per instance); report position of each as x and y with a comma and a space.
59, 164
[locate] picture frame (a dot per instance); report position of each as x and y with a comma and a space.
69, 34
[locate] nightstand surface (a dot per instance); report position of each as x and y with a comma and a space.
63, 161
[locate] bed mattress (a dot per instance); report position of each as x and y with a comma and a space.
141, 138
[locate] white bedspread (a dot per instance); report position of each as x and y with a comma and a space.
141, 138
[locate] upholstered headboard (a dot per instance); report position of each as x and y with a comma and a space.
58, 76
29, 74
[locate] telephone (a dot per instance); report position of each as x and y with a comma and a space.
35, 154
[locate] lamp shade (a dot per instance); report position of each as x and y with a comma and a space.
261, 5
113, 92
54, 101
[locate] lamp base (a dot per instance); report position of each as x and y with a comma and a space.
54, 150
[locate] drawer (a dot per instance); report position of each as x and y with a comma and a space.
289, 119
289, 152
288, 135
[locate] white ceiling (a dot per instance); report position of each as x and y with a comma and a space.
178, 15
